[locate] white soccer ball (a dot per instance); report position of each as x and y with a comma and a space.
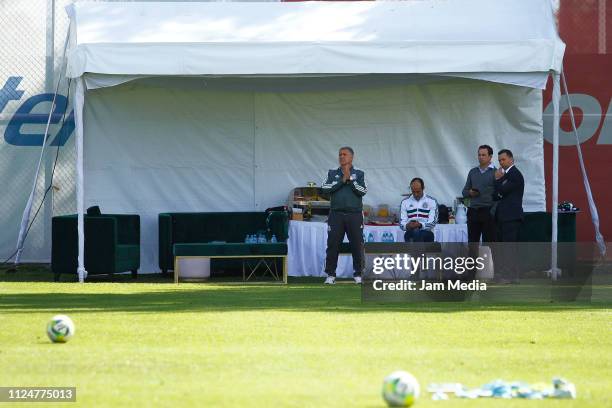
400, 389
60, 329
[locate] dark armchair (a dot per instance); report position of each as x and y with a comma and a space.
112, 244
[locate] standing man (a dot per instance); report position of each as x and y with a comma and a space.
418, 213
479, 187
509, 187
346, 186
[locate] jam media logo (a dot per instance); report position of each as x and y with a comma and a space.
24, 115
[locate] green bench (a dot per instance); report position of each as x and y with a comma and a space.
234, 251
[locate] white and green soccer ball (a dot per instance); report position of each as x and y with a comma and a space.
400, 389
60, 329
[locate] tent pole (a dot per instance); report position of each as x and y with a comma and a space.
585, 178
79, 100
49, 80
556, 97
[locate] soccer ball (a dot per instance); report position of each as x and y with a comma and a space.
400, 389
60, 329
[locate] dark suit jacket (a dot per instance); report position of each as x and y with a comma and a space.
509, 194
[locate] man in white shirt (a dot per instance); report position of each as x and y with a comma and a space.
418, 214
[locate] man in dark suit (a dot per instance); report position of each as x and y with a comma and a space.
509, 187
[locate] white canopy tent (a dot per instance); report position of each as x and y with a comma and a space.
390, 45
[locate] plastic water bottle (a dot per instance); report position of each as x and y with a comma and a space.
261, 238
370, 237
387, 237
247, 239
273, 239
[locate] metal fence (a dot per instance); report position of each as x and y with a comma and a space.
31, 42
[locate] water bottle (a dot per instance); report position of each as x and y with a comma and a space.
370, 237
273, 239
247, 239
261, 238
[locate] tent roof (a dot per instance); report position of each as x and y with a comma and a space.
270, 38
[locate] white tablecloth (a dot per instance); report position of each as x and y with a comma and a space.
308, 241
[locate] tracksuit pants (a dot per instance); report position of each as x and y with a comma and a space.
340, 223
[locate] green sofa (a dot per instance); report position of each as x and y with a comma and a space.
537, 227
222, 227
112, 244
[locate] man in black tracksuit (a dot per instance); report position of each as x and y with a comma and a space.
346, 186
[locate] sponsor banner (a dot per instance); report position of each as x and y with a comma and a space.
590, 86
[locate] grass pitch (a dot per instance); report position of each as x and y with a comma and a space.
153, 343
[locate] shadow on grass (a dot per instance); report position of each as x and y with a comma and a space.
42, 273
229, 298
302, 294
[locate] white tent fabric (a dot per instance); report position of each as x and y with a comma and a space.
244, 146
463, 37
468, 36
528, 79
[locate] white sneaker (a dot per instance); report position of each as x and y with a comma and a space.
330, 280
357, 279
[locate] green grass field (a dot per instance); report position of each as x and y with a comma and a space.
154, 343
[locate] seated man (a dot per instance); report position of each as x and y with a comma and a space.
418, 214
